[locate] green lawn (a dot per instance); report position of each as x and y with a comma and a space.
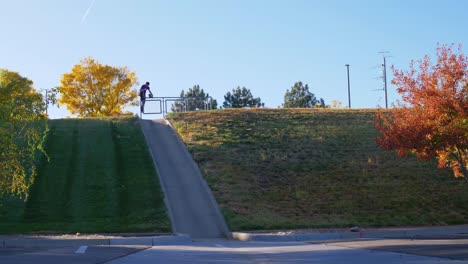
100, 178
295, 168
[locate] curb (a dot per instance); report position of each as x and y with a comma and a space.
151, 241
54, 241
296, 238
408, 233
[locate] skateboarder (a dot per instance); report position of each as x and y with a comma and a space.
143, 89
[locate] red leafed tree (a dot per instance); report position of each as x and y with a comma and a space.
432, 118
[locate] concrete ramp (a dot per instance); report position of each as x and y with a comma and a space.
191, 205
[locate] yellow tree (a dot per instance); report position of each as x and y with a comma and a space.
92, 89
22, 133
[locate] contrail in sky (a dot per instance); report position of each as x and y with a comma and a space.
83, 19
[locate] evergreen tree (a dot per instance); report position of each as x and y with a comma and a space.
241, 97
199, 101
301, 97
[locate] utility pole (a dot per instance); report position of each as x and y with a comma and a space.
384, 77
349, 90
46, 100
385, 80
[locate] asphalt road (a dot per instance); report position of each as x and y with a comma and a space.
262, 252
69, 255
456, 249
236, 252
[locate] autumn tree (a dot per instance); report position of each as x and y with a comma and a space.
22, 132
432, 119
92, 89
300, 97
241, 97
200, 98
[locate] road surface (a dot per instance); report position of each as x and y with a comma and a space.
262, 252
381, 251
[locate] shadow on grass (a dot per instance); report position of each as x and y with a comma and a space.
100, 178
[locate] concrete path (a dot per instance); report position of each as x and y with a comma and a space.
322, 235
36, 241
191, 205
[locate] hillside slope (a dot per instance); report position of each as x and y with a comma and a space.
100, 178
294, 168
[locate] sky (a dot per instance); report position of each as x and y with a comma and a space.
264, 45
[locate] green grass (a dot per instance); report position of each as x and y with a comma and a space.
298, 168
100, 178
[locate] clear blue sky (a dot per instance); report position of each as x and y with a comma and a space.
265, 45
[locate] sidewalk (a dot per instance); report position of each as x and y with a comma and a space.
38, 241
190, 203
460, 231
440, 232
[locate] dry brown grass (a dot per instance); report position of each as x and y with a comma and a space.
294, 168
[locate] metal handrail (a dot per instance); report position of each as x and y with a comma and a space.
164, 100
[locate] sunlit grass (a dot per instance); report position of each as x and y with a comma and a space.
100, 178
294, 168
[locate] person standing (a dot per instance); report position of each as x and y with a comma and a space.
145, 87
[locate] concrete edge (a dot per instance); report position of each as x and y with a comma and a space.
161, 183
179, 239
213, 201
37, 242
31, 242
412, 233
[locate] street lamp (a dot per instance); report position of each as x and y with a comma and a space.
349, 90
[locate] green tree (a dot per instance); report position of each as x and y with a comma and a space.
198, 103
301, 97
241, 97
22, 132
92, 89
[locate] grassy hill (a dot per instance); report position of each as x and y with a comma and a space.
100, 178
295, 168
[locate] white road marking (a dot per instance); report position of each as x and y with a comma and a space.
81, 250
